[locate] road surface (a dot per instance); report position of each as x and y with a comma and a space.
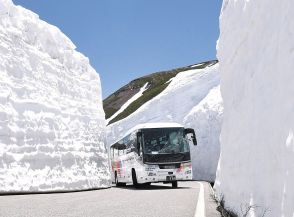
190, 199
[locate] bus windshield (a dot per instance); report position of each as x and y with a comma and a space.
164, 141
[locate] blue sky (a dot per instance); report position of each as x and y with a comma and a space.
131, 38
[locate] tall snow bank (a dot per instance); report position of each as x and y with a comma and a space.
177, 104
256, 56
52, 126
206, 119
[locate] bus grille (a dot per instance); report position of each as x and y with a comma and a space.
166, 158
170, 166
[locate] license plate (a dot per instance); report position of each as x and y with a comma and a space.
170, 178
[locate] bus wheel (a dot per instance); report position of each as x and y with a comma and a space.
134, 178
115, 178
175, 184
118, 184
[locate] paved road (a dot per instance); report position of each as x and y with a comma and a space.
156, 200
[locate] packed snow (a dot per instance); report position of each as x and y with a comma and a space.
197, 65
206, 119
178, 103
255, 51
127, 103
52, 126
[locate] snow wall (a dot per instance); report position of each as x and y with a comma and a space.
255, 51
192, 99
52, 126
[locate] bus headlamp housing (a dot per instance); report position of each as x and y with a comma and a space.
188, 171
185, 168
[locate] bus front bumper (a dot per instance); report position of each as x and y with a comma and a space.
155, 174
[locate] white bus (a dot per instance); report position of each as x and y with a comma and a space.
153, 152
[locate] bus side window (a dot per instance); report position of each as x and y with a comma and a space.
116, 152
126, 144
133, 142
119, 146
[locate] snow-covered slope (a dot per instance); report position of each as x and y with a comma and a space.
127, 103
256, 57
157, 82
177, 104
52, 126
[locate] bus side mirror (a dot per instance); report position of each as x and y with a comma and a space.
191, 131
139, 138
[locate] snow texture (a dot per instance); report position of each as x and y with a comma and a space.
255, 51
52, 125
178, 103
206, 119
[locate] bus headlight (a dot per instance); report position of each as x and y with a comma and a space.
188, 171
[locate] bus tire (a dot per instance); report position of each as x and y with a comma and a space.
118, 184
134, 178
115, 178
175, 184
